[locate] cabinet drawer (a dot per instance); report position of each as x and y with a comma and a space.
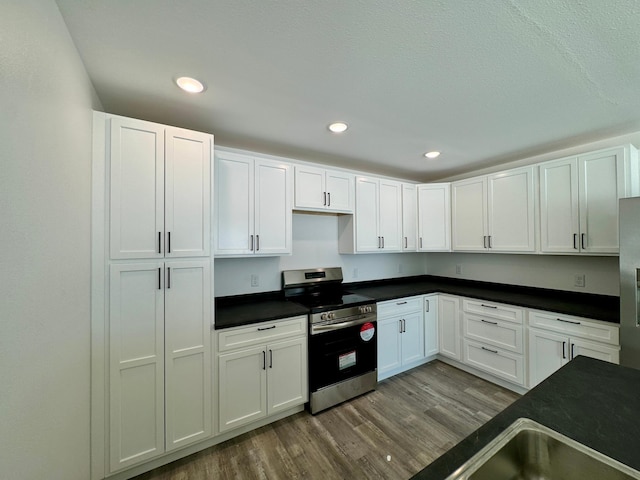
494, 310
399, 306
575, 326
240, 337
506, 365
501, 334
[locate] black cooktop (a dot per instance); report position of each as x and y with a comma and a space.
333, 301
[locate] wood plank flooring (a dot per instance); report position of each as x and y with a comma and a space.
392, 433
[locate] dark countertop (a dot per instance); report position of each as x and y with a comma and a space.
590, 401
240, 310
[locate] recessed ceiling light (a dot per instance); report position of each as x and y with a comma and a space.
432, 154
190, 85
338, 127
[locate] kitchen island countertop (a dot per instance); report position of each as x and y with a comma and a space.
588, 400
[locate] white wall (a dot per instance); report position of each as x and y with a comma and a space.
315, 244
45, 154
545, 271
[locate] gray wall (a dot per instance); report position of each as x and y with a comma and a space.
45, 150
545, 271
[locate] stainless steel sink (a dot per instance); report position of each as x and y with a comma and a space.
527, 450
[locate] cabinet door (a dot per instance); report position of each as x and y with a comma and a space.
136, 366
409, 217
137, 189
559, 228
310, 191
273, 217
449, 326
187, 193
339, 188
412, 337
389, 347
242, 387
598, 190
367, 236
430, 325
286, 374
606, 353
547, 353
434, 217
187, 352
390, 224
510, 208
234, 200
469, 214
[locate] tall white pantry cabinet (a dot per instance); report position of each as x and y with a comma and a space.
151, 291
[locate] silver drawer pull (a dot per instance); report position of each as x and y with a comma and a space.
487, 306
266, 328
568, 321
487, 321
489, 350
401, 303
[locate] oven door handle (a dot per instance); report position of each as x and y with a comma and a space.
323, 328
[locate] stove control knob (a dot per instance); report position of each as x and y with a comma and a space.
331, 315
323, 317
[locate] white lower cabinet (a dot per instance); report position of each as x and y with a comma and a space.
494, 339
400, 335
262, 370
431, 343
160, 364
449, 326
555, 340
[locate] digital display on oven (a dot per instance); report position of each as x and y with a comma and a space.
310, 275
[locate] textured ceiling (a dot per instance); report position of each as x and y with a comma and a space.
484, 81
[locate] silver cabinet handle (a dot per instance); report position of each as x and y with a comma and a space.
487, 306
168, 277
427, 305
564, 355
489, 350
251, 247
404, 326
159, 278
382, 242
573, 352
484, 241
400, 323
487, 321
257, 242
379, 242
329, 199
567, 321
582, 238
270, 358
325, 198
575, 241
168, 242
420, 242
401, 303
159, 242
406, 242
264, 360
489, 237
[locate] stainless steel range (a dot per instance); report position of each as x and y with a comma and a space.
342, 336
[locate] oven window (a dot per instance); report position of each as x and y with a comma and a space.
340, 355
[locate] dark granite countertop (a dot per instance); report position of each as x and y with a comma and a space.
240, 310
590, 401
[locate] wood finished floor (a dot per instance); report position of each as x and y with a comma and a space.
414, 417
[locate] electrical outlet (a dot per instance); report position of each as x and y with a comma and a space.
458, 269
255, 280
355, 273
579, 280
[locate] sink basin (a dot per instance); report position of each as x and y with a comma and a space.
527, 450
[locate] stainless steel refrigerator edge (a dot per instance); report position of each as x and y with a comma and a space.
629, 285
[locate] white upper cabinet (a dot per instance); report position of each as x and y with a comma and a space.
322, 190
376, 226
579, 200
409, 217
495, 212
253, 206
434, 217
160, 191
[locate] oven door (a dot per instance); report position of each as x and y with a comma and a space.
337, 353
